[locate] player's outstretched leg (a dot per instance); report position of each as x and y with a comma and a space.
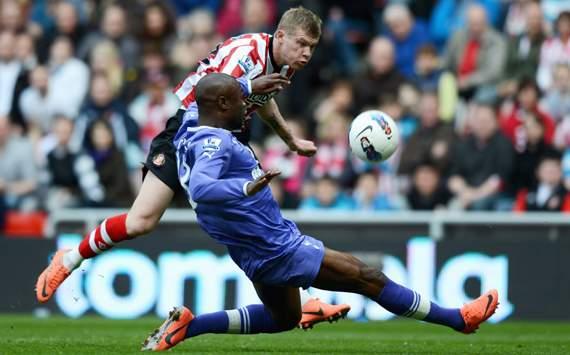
344, 272
280, 312
151, 202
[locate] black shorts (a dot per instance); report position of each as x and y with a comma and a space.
161, 159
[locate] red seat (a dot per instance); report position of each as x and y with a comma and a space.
25, 224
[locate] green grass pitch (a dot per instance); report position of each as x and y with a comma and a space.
92, 335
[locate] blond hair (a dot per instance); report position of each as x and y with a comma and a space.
301, 18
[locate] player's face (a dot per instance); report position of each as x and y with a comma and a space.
296, 48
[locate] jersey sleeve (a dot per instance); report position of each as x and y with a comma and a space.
212, 155
245, 85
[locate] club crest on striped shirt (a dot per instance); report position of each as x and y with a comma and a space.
246, 64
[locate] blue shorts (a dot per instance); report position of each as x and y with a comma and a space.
298, 268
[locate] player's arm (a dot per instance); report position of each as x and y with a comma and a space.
271, 115
264, 84
212, 155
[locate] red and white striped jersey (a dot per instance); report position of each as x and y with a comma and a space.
247, 55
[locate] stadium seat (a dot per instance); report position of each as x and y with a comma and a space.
25, 224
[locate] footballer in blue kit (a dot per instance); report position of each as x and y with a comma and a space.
234, 205
215, 169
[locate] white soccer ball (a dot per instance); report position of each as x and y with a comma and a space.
373, 136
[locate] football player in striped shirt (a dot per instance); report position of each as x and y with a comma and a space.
263, 65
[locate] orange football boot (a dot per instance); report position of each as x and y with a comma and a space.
171, 332
316, 311
52, 276
479, 310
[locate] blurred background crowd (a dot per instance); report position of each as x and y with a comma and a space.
480, 91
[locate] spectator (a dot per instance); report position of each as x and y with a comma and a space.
348, 27
114, 27
427, 72
13, 17
557, 99
103, 105
197, 38
18, 184
10, 73
516, 19
380, 77
110, 164
526, 104
257, 16
407, 36
66, 24
555, 50
549, 195
237, 16
433, 140
39, 105
292, 166
482, 163
71, 178
25, 51
69, 77
450, 16
476, 55
338, 101
159, 27
153, 61
407, 123
153, 108
428, 191
367, 196
106, 60
333, 157
523, 51
526, 161
328, 196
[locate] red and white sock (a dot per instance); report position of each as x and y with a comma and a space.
113, 230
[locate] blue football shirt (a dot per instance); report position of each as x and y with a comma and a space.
214, 168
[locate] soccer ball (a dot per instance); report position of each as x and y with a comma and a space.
373, 136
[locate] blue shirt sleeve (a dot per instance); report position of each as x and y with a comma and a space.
212, 154
245, 85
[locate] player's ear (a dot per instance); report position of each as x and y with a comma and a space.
223, 102
279, 35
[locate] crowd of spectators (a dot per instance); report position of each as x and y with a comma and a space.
480, 91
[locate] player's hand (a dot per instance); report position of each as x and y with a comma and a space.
262, 181
303, 147
269, 83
